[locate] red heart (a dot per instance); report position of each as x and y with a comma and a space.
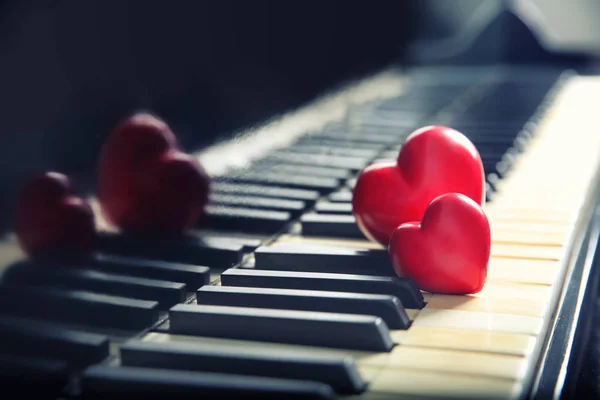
51, 218
448, 252
433, 161
145, 183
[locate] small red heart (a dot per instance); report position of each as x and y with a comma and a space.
434, 160
448, 252
52, 220
145, 183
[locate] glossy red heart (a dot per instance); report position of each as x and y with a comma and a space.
434, 160
146, 184
448, 252
51, 219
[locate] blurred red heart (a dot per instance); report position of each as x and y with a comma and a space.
52, 220
448, 252
434, 160
145, 183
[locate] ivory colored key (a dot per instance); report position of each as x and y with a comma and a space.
522, 271
507, 305
514, 290
454, 361
440, 385
481, 321
548, 219
528, 238
527, 252
502, 227
517, 344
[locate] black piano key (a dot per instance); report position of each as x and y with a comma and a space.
340, 197
42, 378
193, 276
31, 338
351, 163
342, 226
308, 196
105, 382
388, 308
403, 288
340, 372
212, 238
290, 180
78, 307
334, 208
308, 170
345, 331
245, 220
332, 150
294, 207
358, 138
187, 249
336, 142
313, 258
165, 293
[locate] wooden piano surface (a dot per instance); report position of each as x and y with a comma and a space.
500, 343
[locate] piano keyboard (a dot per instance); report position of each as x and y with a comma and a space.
280, 295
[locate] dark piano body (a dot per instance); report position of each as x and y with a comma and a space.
278, 294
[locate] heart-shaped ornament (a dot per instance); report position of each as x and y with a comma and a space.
448, 252
146, 184
52, 220
433, 161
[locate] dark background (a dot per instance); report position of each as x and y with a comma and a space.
71, 69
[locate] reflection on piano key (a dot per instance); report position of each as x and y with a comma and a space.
32, 338
478, 321
403, 288
359, 332
313, 258
338, 371
386, 307
102, 382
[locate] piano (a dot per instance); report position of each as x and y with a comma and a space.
278, 293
